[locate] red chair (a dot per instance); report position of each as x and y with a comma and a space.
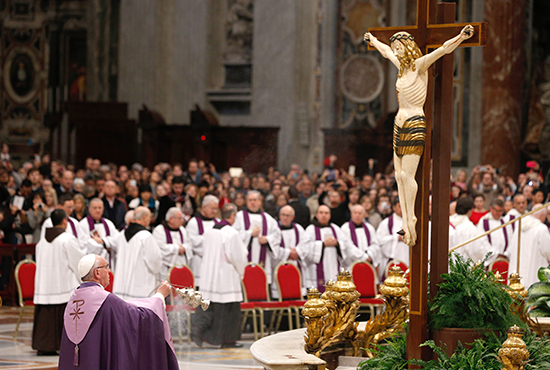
109, 287
364, 277
181, 276
289, 283
401, 264
255, 291
24, 278
502, 265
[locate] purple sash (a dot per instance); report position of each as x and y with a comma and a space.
390, 223
354, 234
320, 268
514, 224
169, 236
91, 223
295, 231
263, 247
201, 226
486, 227
73, 228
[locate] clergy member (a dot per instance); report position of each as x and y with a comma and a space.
101, 331
328, 248
97, 234
223, 264
139, 258
174, 243
391, 243
363, 236
497, 242
260, 233
535, 247
66, 203
197, 226
294, 246
464, 229
57, 256
520, 206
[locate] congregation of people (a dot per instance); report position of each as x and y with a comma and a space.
141, 222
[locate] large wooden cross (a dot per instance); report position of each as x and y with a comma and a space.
431, 32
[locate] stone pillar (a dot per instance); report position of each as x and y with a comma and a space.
503, 82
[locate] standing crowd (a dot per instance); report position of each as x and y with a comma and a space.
144, 221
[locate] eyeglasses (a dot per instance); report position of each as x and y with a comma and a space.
100, 267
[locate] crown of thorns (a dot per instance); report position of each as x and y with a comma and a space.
401, 36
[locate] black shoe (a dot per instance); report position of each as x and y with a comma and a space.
46, 353
401, 232
195, 338
231, 345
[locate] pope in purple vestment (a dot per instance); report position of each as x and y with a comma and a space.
101, 331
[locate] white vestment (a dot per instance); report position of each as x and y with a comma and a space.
273, 235
392, 248
497, 242
331, 258
464, 229
170, 249
223, 264
69, 230
288, 241
373, 249
534, 252
139, 260
196, 238
57, 273
91, 246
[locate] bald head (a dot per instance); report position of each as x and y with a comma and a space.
286, 215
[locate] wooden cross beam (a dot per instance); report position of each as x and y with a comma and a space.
429, 33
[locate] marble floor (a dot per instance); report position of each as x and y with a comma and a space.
17, 353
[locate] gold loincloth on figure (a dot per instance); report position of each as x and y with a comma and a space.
410, 138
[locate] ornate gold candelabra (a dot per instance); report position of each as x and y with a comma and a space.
330, 317
514, 353
519, 294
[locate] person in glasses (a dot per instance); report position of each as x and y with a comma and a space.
102, 331
57, 256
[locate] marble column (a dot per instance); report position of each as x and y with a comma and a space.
503, 81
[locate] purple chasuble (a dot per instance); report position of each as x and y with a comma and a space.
114, 334
263, 247
169, 236
486, 228
320, 268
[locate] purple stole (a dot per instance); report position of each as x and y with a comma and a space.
92, 227
73, 228
201, 226
486, 227
263, 247
169, 236
297, 241
514, 224
354, 234
390, 223
320, 269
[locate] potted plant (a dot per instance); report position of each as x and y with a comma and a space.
538, 300
469, 302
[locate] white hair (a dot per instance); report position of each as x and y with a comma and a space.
140, 212
96, 200
541, 213
358, 206
209, 199
290, 207
171, 212
252, 192
129, 217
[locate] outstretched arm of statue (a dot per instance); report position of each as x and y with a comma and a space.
382, 48
423, 63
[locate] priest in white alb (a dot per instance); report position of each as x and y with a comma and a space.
464, 230
498, 242
223, 265
363, 236
260, 233
534, 249
66, 203
204, 220
57, 256
173, 241
393, 247
97, 234
329, 248
139, 258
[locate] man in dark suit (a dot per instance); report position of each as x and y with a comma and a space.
302, 215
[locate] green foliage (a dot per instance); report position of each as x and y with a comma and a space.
471, 298
389, 356
538, 302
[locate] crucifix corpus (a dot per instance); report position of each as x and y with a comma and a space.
421, 133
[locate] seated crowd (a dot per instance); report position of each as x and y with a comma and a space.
144, 221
